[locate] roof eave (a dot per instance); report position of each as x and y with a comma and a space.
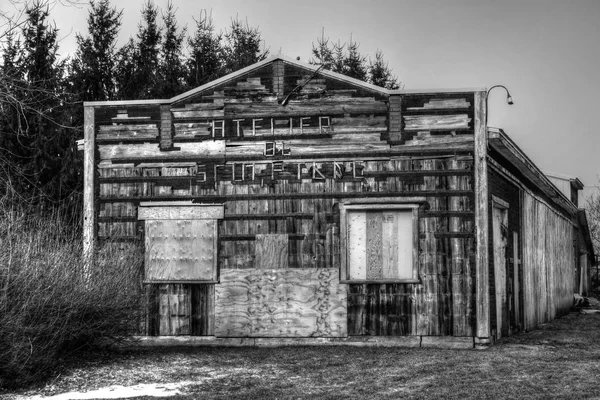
499, 141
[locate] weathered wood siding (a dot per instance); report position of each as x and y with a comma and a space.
548, 262
280, 172
501, 188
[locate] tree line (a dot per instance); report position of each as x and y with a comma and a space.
41, 94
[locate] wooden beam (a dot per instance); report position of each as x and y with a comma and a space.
482, 295
89, 170
381, 197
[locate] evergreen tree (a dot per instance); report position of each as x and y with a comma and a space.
11, 106
322, 53
93, 67
205, 62
355, 64
138, 60
36, 131
171, 68
346, 59
126, 71
149, 39
380, 74
242, 46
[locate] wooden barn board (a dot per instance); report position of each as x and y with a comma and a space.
280, 303
271, 251
152, 150
174, 310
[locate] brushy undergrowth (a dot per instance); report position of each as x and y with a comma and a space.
52, 302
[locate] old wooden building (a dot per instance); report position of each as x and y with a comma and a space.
283, 203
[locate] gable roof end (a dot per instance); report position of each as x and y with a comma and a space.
234, 75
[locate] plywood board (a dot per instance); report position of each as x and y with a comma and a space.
357, 249
180, 250
280, 303
271, 251
380, 244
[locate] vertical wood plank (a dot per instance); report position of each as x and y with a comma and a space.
374, 246
459, 291
499, 244
174, 310
481, 218
89, 186
271, 251
203, 310
516, 277
390, 244
357, 245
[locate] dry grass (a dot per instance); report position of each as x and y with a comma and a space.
48, 306
559, 360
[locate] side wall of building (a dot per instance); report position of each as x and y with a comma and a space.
548, 262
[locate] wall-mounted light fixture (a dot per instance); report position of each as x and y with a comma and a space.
509, 98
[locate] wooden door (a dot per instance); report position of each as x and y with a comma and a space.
500, 243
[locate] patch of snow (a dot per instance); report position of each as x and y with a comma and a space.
122, 392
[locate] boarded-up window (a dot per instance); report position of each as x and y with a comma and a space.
379, 243
181, 242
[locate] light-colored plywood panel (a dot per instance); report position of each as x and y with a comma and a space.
280, 303
180, 250
405, 244
271, 251
357, 245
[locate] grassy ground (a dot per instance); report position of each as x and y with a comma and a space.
559, 360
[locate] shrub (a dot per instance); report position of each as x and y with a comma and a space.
49, 306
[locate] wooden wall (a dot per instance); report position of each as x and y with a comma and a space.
506, 191
280, 172
548, 262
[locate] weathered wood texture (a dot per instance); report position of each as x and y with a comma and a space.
280, 303
505, 194
481, 219
179, 309
381, 309
174, 310
281, 172
271, 251
500, 245
89, 186
548, 263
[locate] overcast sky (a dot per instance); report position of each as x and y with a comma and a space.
545, 51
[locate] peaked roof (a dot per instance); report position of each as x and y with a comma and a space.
310, 67
239, 73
